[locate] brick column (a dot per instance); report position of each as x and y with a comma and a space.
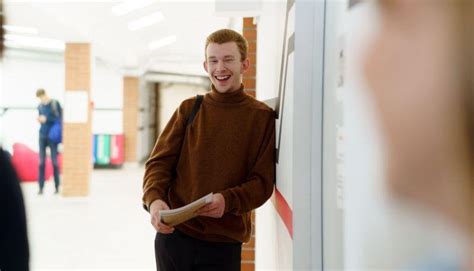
131, 87
250, 33
77, 127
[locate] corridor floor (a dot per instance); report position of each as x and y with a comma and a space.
108, 230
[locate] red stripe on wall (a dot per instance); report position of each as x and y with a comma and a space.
284, 210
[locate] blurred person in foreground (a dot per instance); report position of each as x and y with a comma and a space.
14, 251
228, 149
420, 70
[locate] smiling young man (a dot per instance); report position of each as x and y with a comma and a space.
228, 149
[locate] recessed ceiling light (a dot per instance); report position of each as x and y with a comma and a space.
146, 21
130, 5
20, 29
162, 42
12, 40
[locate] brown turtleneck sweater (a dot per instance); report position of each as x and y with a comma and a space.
229, 149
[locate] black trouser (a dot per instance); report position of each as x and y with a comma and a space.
53, 147
179, 252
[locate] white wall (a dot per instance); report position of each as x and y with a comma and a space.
107, 96
269, 48
274, 246
300, 166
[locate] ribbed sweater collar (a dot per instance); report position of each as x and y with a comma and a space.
228, 98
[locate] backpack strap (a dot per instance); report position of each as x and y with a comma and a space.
54, 106
197, 105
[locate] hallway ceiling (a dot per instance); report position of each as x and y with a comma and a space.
189, 21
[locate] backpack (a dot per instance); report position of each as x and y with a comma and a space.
55, 134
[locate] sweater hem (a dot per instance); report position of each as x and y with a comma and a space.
208, 237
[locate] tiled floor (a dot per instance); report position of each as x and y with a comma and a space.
108, 230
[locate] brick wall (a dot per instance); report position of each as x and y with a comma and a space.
249, 80
131, 87
77, 137
250, 33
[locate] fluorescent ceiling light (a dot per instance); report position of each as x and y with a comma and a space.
162, 42
146, 21
12, 40
129, 6
20, 29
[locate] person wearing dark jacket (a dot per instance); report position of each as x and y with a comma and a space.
14, 251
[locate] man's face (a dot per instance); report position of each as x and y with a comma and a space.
43, 99
224, 67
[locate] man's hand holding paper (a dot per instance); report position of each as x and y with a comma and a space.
215, 208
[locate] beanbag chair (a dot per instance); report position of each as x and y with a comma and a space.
26, 163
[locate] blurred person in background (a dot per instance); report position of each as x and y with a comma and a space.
420, 70
49, 115
14, 251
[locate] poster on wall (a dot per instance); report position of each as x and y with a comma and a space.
76, 106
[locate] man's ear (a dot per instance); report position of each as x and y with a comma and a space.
245, 65
205, 65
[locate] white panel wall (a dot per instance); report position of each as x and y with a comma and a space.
308, 126
299, 167
333, 137
274, 246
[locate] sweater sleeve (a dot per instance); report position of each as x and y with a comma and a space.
162, 161
258, 187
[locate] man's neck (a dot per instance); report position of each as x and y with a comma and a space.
233, 90
230, 90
